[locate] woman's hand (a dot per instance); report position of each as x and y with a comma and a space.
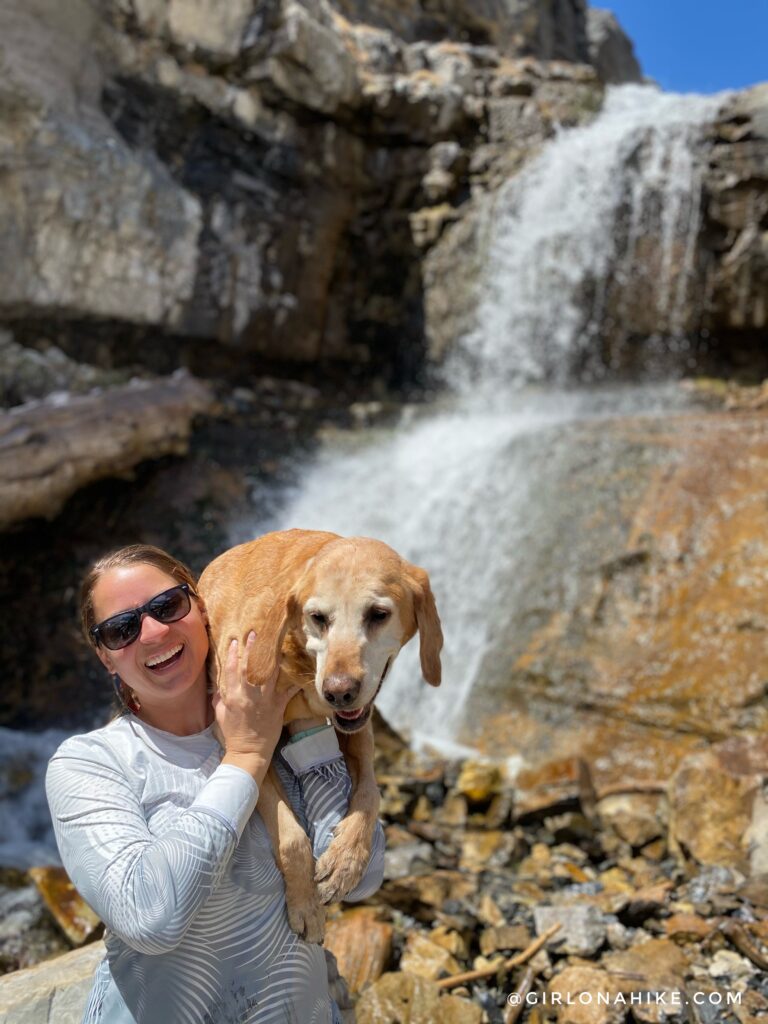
249, 719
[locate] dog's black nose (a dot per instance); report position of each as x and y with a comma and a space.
341, 690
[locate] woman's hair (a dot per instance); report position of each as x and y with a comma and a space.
134, 554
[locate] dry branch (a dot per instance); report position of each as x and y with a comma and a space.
502, 968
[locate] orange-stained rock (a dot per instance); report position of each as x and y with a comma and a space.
451, 940
399, 998
427, 959
362, 945
554, 786
687, 927
658, 963
638, 818
712, 798
564, 990
481, 850
657, 646
72, 913
479, 780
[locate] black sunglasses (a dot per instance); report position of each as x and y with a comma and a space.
122, 629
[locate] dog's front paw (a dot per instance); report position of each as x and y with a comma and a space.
342, 866
306, 916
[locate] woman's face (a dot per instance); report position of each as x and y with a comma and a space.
166, 662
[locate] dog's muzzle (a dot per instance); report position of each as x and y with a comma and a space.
352, 719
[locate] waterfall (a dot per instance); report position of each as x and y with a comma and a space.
572, 231
457, 488
461, 487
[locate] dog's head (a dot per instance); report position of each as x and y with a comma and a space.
353, 608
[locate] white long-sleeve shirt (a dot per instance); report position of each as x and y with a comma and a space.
161, 839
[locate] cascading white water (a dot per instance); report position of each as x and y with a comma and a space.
454, 488
574, 220
457, 488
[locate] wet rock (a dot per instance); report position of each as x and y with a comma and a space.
408, 999
73, 915
685, 572
582, 930
362, 945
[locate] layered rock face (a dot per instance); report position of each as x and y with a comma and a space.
249, 176
736, 227
687, 269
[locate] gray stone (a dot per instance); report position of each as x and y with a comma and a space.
409, 859
53, 992
208, 24
88, 227
583, 928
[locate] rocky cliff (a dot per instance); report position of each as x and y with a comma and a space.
266, 180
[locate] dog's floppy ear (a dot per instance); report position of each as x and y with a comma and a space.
264, 660
428, 622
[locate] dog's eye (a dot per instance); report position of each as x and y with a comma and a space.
378, 615
319, 619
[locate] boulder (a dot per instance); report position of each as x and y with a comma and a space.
362, 945
658, 651
53, 992
408, 999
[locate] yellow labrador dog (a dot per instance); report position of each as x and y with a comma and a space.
331, 615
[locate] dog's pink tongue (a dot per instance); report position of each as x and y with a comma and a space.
350, 714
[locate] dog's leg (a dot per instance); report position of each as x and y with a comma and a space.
343, 864
293, 852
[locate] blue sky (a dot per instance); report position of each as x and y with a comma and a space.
697, 45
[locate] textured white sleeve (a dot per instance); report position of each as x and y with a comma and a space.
145, 888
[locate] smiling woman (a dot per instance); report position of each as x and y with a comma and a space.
156, 821
151, 636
